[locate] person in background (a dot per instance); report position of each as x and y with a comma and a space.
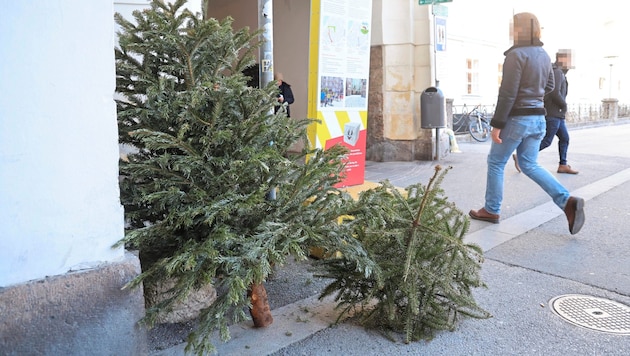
556, 106
519, 124
285, 97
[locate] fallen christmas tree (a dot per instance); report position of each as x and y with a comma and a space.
424, 273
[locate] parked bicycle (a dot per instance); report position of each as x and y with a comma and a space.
476, 121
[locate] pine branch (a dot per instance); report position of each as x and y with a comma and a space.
424, 273
195, 191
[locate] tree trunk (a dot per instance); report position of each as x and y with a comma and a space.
260, 311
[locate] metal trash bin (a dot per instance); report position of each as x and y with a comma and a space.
432, 109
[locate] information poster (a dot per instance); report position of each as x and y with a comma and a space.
338, 80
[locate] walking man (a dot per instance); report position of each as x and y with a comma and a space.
556, 106
519, 124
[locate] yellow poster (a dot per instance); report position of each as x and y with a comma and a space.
339, 71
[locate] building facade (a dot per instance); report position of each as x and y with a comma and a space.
409, 56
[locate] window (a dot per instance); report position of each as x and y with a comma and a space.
472, 74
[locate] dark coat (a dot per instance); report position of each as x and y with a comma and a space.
527, 77
555, 102
287, 93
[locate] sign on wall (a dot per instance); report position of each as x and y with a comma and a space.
440, 34
339, 71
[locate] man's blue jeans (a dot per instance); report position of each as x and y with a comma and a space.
557, 127
523, 134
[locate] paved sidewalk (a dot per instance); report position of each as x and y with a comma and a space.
530, 259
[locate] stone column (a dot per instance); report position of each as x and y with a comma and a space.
449, 113
610, 109
400, 70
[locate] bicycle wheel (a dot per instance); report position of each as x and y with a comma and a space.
479, 130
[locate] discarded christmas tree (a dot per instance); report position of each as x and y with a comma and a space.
424, 274
209, 151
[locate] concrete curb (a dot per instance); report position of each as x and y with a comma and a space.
292, 323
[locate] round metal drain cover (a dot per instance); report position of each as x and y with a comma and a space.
593, 313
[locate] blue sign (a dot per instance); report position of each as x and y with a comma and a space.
440, 34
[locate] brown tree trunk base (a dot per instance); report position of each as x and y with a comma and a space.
260, 310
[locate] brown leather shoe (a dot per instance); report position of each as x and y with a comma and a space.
484, 215
574, 210
518, 168
565, 168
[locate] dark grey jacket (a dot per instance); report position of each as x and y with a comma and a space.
555, 102
287, 93
527, 77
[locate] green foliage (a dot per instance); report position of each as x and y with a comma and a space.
425, 272
209, 151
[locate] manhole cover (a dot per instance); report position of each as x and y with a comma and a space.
593, 313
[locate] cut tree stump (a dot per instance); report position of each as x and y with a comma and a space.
260, 310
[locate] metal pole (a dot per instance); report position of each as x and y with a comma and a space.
265, 22
435, 70
610, 82
265, 71
437, 143
610, 60
437, 82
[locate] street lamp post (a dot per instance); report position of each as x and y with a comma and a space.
610, 81
610, 107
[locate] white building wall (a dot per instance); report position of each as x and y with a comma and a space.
59, 195
477, 31
480, 29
